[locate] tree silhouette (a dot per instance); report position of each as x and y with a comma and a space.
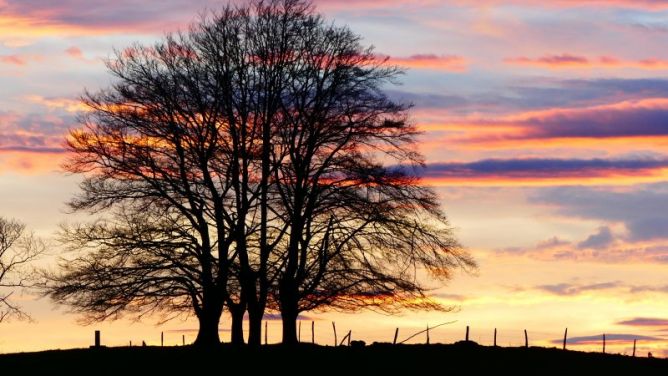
360, 223
251, 162
17, 249
150, 151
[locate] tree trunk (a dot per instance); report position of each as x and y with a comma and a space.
289, 328
289, 314
208, 329
255, 314
237, 329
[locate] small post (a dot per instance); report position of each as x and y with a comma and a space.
427, 334
634, 348
467, 333
494, 337
526, 338
266, 340
299, 332
183, 339
162, 339
565, 337
603, 343
350, 334
97, 338
312, 331
336, 341
130, 343
396, 334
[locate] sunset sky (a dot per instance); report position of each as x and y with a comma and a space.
546, 135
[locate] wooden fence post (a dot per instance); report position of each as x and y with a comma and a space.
130, 343
299, 332
427, 334
162, 339
350, 335
603, 343
526, 338
97, 338
183, 339
336, 341
266, 340
565, 337
467, 333
396, 334
494, 337
312, 331
634, 348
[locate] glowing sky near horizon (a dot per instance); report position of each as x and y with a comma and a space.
546, 135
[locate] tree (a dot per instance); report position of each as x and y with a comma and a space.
358, 226
149, 150
182, 130
245, 164
17, 250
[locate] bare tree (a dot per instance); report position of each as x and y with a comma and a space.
246, 163
17, 250
182, 130
150, 148
360, 224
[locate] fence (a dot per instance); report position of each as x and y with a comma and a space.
445, 333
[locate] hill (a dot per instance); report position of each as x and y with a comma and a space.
378, 359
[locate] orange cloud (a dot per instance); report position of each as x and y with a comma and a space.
565, 60
450, 63
67, 104
30, 161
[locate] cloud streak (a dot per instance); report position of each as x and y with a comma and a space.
448, 63
644, 321
610, 338
570, 61
545, 171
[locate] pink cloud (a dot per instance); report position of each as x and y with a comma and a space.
74, 52
451, 63
583, 62
13, 59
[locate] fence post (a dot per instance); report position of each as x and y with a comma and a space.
526, 338
494, 337
350, 334
299, 332
162, 339
183, 339
603, 343
266, 341
312, 331
565, 336
396, 334
634, 348
336, 340
467, 333
130, 343
97, 338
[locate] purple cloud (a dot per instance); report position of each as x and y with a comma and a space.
644, 321
540, 167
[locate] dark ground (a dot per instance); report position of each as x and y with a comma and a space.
316, 360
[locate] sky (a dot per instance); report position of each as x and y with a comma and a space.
545, 134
